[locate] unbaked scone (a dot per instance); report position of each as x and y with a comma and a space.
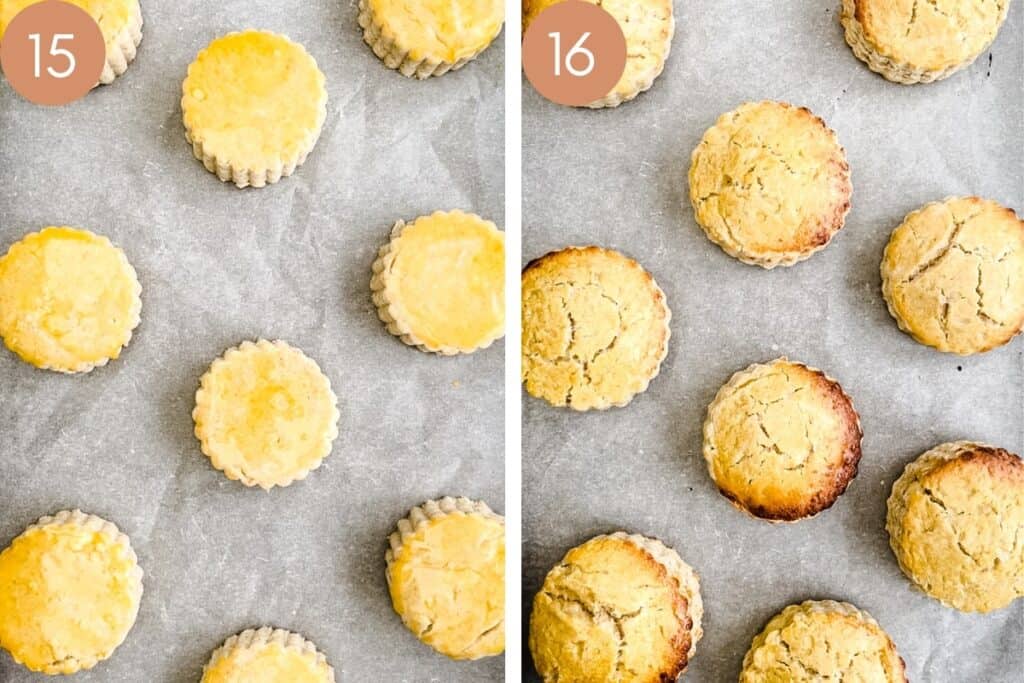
265, 414
782, 441
446, 574
919, 42
823, 640
120, 22
953, 275
439, 284
425, 38
621, 608
70, 589
648, 26
595, 328
267, 655
69, 300
253, 104
956, 524
770, 184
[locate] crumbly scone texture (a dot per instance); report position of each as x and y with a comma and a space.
267, 655
770, 183
253, 105
70, 589
782, 440
265, 414
595, 328
446, 575
439, 284
956, 524
120, 22
823, 640
953, 275
69, 300
424, 38
908, 42
621, 608
648, 26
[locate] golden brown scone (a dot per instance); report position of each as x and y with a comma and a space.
595, 328
619, 609
953, 275
956, 525
823, 640
648, 26
908, 41
782, 441
770, 184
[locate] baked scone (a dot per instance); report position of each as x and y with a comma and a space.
956, 524
919, 42
953, 275
253, 104
823, 640
648, 26
446, 574
265, 414
70, 589
782, 441
120, 22
269, 655
424, 38
620, 608
595, 328
770, 184
439, 284
69, 300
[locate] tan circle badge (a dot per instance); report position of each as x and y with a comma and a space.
52, 52
574, 53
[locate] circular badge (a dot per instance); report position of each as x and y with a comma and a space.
574, 53
52, 52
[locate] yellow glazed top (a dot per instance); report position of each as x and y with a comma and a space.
447, 582
441, 30
69, 299
113, 16
823, 641
254, 100
953, 275
265, 414
69, 594
266, 657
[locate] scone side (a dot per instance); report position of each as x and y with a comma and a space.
122, 50
625, 92
256, 639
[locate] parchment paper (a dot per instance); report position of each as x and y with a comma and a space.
618, 179
219, 265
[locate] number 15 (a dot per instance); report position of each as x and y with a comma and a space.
55, 51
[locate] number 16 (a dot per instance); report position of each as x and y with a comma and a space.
576, 49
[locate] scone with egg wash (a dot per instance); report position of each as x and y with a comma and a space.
70, 589
424, 38
956, 524
621, 608
953, 275
782, 441
446, 575
270, 655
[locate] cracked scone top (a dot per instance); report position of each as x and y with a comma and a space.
648, 26
424, 38
595, 328
956, 524
265, 414
267, 655
253, 105
782, 440
446, 575
823, 640
909, 41
70, 589
620, 608
69, 300
770, 184
953, 275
